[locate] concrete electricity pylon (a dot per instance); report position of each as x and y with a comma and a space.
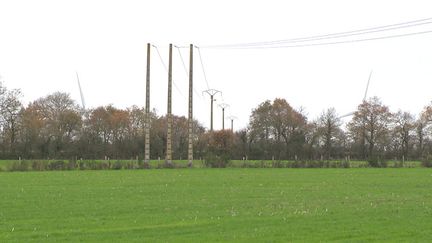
223, 106
190, 109
169, 110
147, 110
211, 93
232, 118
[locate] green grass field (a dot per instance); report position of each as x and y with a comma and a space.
207, 205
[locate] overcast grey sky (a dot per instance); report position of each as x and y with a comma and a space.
43, 43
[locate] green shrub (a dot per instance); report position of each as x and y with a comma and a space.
71, 165
116, 165
143, 165
373, 163
22, 165
81, 165
427, 164
99, 165
345, 164
131, 165
376, 163
38, 165
398, 164
215, 161
165, 165
56, 165
277, 164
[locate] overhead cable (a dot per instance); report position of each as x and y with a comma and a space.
186, 70
202, 67
368, 31
166, 69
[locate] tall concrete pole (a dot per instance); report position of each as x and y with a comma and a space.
169, 114
223, 118
223, 106
211, 92
232, 118
147, 110
190, 108
211, 112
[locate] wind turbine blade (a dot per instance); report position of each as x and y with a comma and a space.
81, 93
367, 86
346, 115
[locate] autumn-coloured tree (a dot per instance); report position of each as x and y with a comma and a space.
370, 126
260, 123
135, 136
55, 127
109, 129
219, 148
60, 122
179, 137
276, 129
30, 134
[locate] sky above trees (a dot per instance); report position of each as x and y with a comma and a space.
43, 43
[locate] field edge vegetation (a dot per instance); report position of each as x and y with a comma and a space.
61, 165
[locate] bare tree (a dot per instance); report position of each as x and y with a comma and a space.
10, 107
420, 132
403, 130
424, 123
329, 127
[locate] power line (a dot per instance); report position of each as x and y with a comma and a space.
202, 66
360, 33
166, 69
160, 57
181, 58
279, 43
333, 35
186, 70
336, 42
209, 91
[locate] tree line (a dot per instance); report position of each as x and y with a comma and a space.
56, 127
372, 133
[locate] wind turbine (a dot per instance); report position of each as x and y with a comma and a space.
81, 93
364, 97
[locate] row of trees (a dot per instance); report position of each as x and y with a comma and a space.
278, 130
54, 126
